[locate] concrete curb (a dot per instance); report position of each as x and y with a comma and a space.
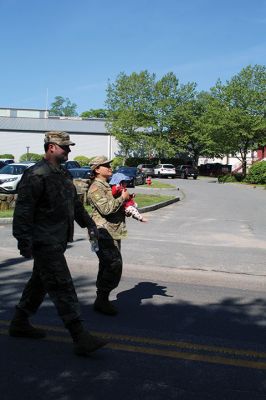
158, 205
4, 221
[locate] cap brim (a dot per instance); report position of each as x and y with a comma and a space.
69, 143
98, 165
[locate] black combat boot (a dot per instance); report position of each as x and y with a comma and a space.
21, 327
84, 342
103, 305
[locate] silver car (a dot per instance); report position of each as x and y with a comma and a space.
146, 169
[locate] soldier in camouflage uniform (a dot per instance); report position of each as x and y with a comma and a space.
109, 216
43, 223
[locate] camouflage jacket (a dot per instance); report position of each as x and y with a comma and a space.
108, 212
46, 207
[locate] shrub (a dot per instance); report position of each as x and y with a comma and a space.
230, 178
257, 173
82, 160
117, 162
31, 157
7, 156
227, 178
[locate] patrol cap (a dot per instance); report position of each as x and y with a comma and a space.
58, 137
99, 160
118, 177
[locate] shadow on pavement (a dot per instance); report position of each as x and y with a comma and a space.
49, 370
13, 261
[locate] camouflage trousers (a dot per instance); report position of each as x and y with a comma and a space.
110, 265
51, 276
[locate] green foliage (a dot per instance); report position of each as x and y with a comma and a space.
83, 160
7, 156
236, 116
129, 103
230, 178
141, 113
163, 118
30, 157
118, 161
167, 96
95, 113
63, 107
191, 133
257, 173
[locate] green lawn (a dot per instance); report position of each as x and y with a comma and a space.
6, 214
144, 200
159, 185
141, 199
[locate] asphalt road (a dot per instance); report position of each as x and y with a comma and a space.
192, 307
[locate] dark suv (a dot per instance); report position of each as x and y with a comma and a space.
186, 171
71, 164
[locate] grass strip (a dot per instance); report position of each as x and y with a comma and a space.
142, 200
159, 185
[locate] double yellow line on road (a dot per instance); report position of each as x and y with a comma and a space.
166, 348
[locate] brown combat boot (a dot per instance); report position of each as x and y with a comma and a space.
84, 342
87, 343
21, 327
103, 305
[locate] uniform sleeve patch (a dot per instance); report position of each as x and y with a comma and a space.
97, 196
93, 189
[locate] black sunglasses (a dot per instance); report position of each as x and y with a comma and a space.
63, 147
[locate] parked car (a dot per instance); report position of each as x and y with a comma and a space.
2, 164
146, 169
10, 176
164, 170
80, 173
6, 160
71, 164
186, 171
135, 175
31, 162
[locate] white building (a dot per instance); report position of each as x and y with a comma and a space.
22, 131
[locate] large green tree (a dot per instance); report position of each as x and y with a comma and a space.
237, 114
141, 112
167, 96
190, 133
95, 113
129, 104
63, 107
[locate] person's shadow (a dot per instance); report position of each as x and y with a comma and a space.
228, 319
136, 310
143, 290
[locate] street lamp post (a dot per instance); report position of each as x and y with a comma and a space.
28, 148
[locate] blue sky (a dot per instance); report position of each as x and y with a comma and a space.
72, 48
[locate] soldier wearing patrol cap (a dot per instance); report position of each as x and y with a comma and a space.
46, 207
109, 217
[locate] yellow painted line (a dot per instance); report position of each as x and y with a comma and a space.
161, 342
167, 353
190, 356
